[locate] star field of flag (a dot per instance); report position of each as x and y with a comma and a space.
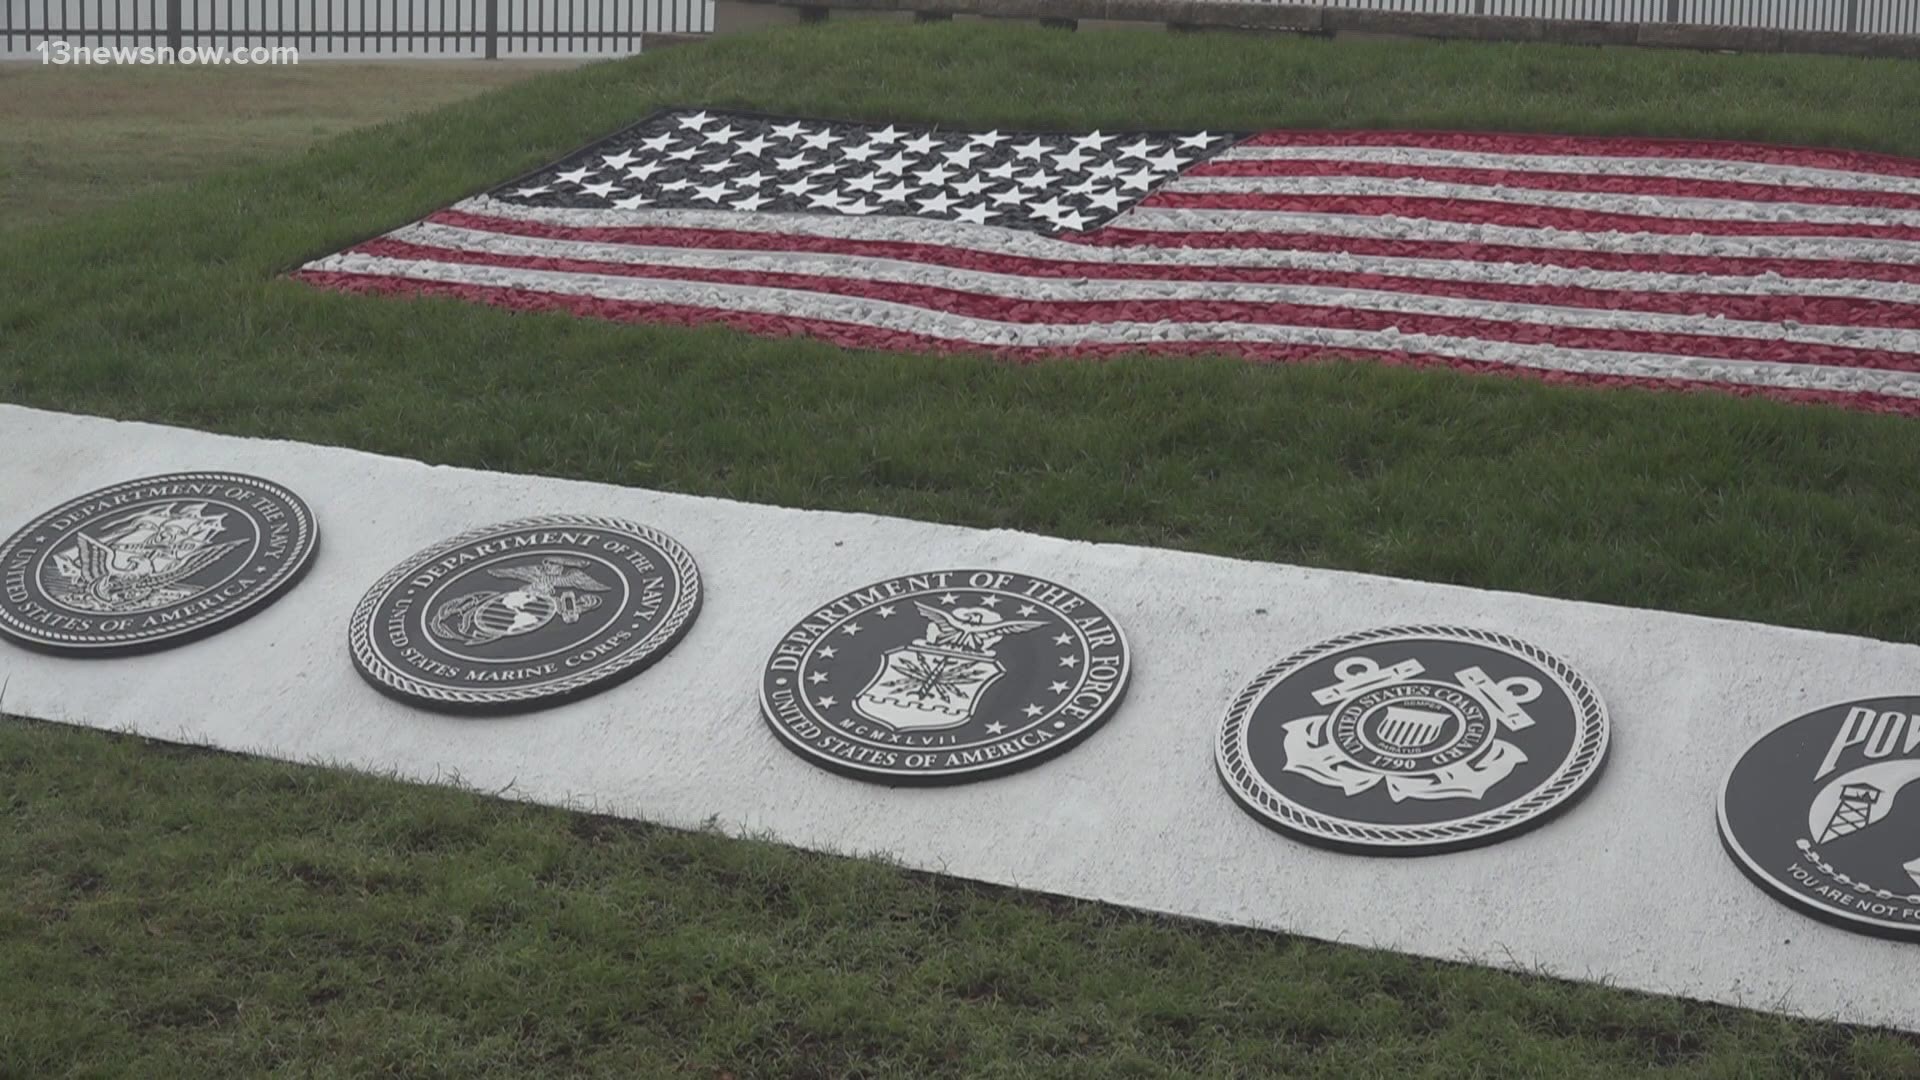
694, 160
1745, 268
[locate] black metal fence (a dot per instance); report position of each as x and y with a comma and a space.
370, 28
1850, 16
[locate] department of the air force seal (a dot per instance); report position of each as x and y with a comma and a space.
1411, 740
152, 563
525, 614
945, 676
1823, 812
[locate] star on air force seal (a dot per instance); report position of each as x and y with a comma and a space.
525, 614
944, 677
152, 563
1410, 740
1823, 813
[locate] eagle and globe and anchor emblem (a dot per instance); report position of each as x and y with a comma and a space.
525, 614
1412, 740
152, 563
1823, 813
944, 677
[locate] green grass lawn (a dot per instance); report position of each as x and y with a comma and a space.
171, 911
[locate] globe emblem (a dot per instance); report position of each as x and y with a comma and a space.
517, 612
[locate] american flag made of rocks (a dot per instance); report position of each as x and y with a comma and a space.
704, 160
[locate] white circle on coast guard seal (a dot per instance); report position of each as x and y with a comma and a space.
525, 614
944, 677
152, 563
1823, 812
1411, 740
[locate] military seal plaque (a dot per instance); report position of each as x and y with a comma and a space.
525, 614
944, 677
1823, 813
152, 563
1412, 740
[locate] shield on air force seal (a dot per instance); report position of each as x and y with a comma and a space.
1411, 740
943, 677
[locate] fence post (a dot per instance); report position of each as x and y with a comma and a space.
173, 26
493, 28
1673, 11
1853, 16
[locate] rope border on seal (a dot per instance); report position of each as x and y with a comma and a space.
1252, 789
302, 544
371, 663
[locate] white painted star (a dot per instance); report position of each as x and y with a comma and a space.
971, 186
1085, 188
1039, 178
1003, 171
1106, 200
1166, 162
1013, 196
934, 176
886, 611
712, 193
658, 143
989, 601
961, 158
1072, 219
827, 200
860, 209
1106, 170
859, 153
864, 183
632, 202
1063, 639
889, 134
827, 652
850, 629
1056, 687
722, 135
819, 677
1027, 609
620, 160
602, 189
750, 203
799, 188
827, 702
752, 180
797, 161
1140, 150
1140, 178
1199, 141
1033, 710
676, 185
576, 176
893, 166
683, 153
921, 145
1048, 208
696, 121
788, 132
1032, 151
990, 140
753, 147
819, 140
1093, 142
948, 598
1069, 661
530, 192
1071, 161
895, 192
640, 174
973, 215
996, 728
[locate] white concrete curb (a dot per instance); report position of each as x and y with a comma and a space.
1629, 887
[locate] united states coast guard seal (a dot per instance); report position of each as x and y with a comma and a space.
1823, 813
945, 676
152, 563
525, 614
1410, 740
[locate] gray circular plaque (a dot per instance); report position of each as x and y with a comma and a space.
1410, 740
945, 676
1823, 813
152, 563
525, 614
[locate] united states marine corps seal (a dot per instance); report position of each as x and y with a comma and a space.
1823, 813
944, 677
525, 614
152, 563
1411, 740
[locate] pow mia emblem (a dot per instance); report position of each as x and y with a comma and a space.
943, 677
1412, 740
526, 614
1824, 814
152, 563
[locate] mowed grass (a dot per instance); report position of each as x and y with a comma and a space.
174, 912
170, 911
73, 139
